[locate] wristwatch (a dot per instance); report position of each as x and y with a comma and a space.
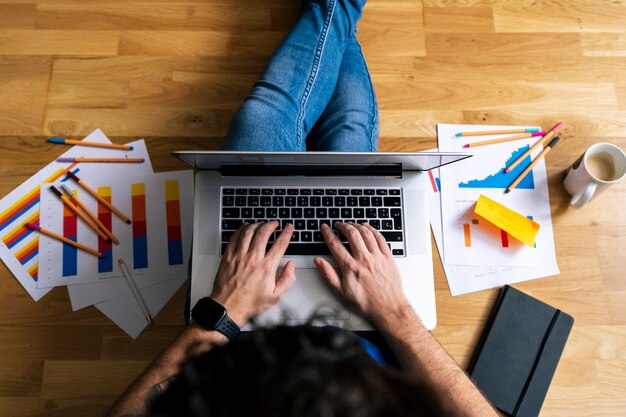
211, 315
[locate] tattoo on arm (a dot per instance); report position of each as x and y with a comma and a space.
158, 388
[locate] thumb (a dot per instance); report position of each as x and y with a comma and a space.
328, 272
286, 279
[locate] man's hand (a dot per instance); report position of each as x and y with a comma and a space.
246, 282
369, 279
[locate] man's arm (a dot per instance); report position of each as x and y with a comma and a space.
245, 284
369, 280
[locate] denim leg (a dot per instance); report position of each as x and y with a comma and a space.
350, 121
298, 82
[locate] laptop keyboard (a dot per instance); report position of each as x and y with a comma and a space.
308, 208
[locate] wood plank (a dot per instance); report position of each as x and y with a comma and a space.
464, 20
23, 89
50, 343
58, 42
489, 45
198, 43
20, 378
604, 44
17, 16
144, 16
88, 378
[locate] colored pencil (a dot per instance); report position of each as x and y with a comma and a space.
500, 132
79, 213
81, 159
64, 239
98, 197
91, 144
135, 291
541, 141
90, 214
506, 139
521, 176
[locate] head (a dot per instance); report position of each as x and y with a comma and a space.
293, 371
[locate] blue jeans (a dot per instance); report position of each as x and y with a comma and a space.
316, 92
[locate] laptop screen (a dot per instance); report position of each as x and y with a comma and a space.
316, 163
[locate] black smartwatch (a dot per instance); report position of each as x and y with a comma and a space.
211, 315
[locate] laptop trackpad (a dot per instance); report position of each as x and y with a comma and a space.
309, 297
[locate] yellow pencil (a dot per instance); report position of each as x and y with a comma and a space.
64, 239
91, 144
541, 141
521, 176
79, 213
90, 214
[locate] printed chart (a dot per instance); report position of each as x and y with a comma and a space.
471, 240
19, 246
159, 237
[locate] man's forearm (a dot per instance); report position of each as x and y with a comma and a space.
157, 375
421, 354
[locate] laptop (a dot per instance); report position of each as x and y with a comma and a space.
307, 189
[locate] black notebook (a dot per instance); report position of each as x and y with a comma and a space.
521, 346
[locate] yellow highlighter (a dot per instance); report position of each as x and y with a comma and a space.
520, 227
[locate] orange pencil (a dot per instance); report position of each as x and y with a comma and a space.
81, 159
506, 139
521, 176
541, 141
98, 197
90, 214
79, 213
499, 132
92, 144
64, 239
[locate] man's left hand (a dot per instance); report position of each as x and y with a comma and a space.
246, 282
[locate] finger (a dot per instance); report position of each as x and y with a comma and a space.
368, 238
286, 279
354, 237
380, 239
329, 273
234, 239
262, 236
245, 238
339, 252
278, 249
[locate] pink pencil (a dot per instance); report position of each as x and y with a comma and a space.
508, 138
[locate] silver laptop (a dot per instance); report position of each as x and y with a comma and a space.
307, 189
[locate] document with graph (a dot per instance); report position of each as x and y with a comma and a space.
467, 238
156, 243
19, 245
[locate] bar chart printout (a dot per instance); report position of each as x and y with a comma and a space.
105, 263
140, 235
174, 232
502, 179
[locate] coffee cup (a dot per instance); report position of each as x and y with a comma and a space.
600, 166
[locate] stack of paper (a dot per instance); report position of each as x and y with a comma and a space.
476, 255
155, 246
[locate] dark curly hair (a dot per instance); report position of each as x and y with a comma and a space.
301, 371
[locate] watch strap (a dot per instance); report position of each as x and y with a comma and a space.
228, 327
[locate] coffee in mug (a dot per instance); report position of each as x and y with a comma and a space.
601, 165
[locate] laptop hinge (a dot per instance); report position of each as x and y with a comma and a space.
317, 170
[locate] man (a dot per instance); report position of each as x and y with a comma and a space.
315, 94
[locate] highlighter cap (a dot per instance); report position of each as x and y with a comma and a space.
558, 127
56, 140
553, 142
67, 189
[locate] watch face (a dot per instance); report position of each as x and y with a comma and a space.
208, 313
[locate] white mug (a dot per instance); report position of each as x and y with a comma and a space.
601, 165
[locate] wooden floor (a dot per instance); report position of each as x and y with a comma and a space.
173, 72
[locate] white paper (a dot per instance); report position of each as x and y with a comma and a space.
125, 311
19, 247
154, 258
466, 279
464, 181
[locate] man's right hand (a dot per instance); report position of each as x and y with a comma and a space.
369, 278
